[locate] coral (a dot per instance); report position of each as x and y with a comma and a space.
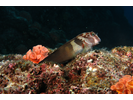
18, 76
125, 55
38, 53
124, 86
93, 72
97, 70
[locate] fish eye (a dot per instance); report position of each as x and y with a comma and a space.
93, 34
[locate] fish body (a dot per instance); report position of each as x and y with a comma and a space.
80, 44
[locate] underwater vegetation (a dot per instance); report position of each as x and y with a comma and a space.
72, 67
96, 71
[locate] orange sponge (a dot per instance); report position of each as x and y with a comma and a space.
37, 54
124, 86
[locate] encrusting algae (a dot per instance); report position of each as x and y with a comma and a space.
91, 72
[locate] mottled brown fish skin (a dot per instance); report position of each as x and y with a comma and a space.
81, 43
62, 54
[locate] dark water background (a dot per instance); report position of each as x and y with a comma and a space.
21, 28
128, 12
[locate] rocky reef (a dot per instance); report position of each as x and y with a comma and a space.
93, 72
98, 71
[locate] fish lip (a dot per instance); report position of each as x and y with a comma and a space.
97, 39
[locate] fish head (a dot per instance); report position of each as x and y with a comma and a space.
89, 38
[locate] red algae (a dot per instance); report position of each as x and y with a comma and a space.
94, 72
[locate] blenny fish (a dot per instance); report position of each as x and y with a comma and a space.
79, 44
